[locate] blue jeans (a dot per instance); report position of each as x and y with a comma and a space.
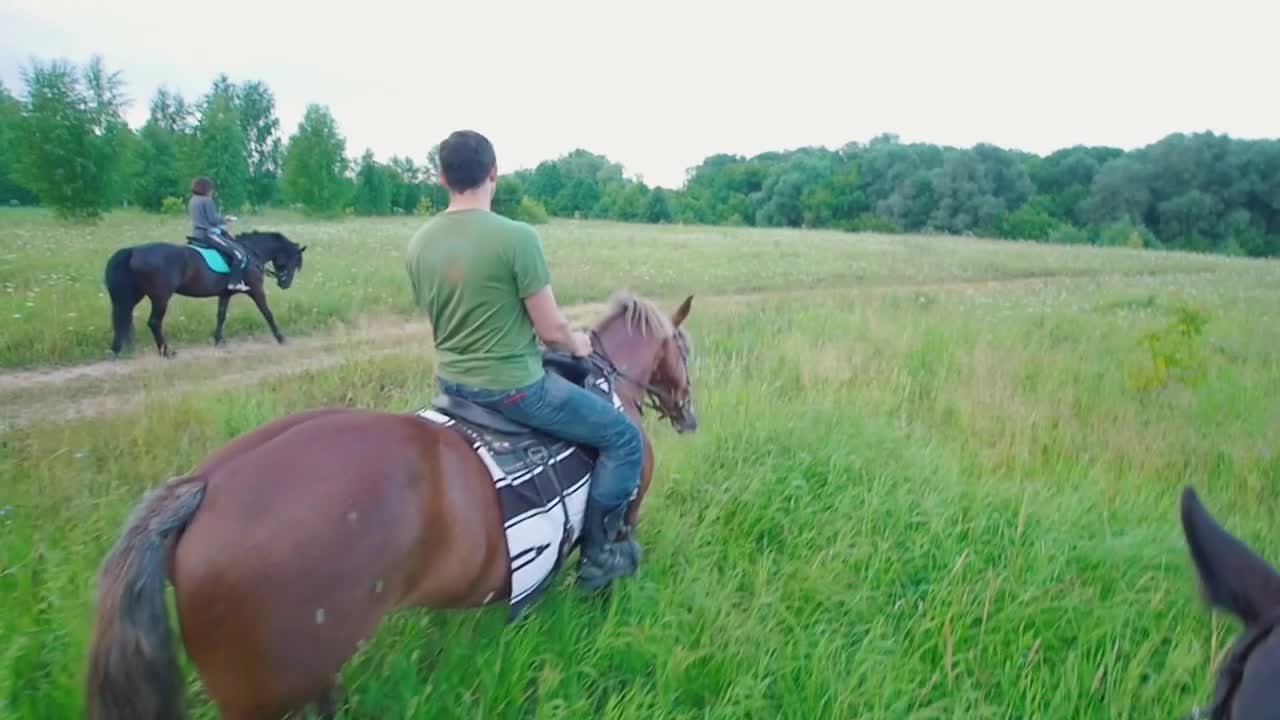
564, 410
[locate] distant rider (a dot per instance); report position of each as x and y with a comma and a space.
207, 227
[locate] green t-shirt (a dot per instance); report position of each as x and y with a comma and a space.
471, 270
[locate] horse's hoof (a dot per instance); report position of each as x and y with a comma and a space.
280, 339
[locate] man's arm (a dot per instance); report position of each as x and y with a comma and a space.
551, 325
533, 282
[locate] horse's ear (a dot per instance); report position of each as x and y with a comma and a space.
1232, 577
682, 312
303, 249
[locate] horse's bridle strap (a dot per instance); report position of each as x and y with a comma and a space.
602, 361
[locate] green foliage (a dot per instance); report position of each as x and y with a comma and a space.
1068, 235
871, 222
373, 187
1201, 192
1029, 222
315, 164
1127, 234
12, 190
1174, 353
172, 113
657, 207
159, 175
173, 206
264, 153
531, 211
406, 180
72, 130
220, 149
506, 196
973, 189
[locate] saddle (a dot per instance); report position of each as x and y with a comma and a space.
542, 481
191, 240
202, 245
575, 370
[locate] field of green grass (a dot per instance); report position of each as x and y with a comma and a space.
56, 311
929, 480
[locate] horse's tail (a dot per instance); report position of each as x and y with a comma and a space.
125, 294
133, 669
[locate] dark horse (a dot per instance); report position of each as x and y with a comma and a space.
159, 270
1233, 578
287, 546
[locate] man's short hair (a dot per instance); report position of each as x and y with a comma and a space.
466, 157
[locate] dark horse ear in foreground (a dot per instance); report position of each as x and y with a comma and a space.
1233, 578
160, 270
288, 545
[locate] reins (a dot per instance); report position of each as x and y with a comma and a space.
653, 394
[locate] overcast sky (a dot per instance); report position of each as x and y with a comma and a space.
659, 85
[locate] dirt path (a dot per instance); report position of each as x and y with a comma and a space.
116, 386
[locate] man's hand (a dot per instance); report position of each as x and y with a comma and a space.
579, 344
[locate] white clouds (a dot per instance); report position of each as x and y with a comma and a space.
660, 85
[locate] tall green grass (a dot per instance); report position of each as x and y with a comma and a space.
922, 503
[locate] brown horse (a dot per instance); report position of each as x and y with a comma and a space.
288, 545
1235, 579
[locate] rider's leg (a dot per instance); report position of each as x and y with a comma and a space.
235, 258
565, 410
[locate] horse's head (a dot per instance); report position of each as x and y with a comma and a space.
653, 351
284, 255
1236, 580
672, 375
288, 262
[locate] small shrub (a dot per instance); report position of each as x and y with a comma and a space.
531, 211
1175, 353
1125, 234
1027, 223
871, 222
172, 206
1067, 234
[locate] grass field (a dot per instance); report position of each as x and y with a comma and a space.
55, 308
925, 483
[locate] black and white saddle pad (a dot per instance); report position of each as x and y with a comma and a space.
542, 485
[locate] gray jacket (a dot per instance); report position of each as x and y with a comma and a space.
204, 216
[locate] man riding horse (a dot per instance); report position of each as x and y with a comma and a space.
207, 229
484, 283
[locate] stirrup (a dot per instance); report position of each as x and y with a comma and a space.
617, 560
603, 559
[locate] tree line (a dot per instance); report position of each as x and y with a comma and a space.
65, 144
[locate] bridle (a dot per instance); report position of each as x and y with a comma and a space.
265, 263
658, 399
1232, 672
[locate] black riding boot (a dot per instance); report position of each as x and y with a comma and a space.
602, 559
236, 282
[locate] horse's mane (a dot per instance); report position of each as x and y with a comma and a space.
264, 235
641, 315
254, 239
